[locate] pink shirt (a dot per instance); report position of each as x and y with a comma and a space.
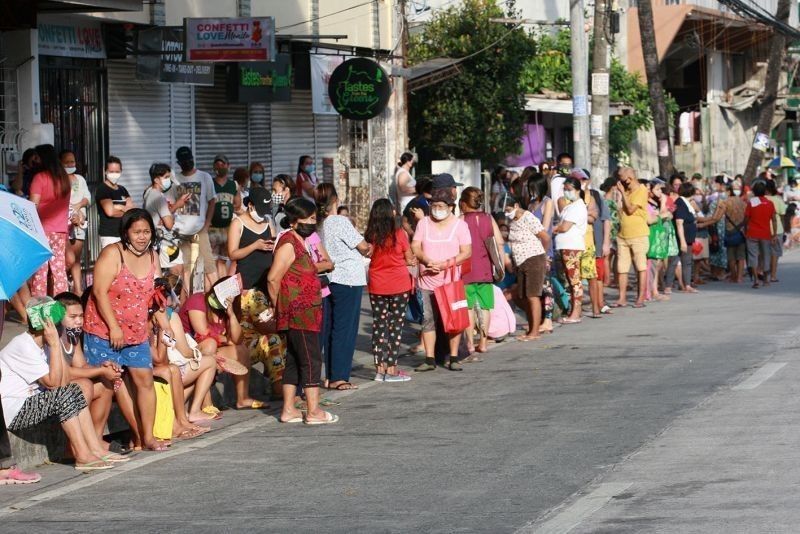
53, 210
440, 244
312, 243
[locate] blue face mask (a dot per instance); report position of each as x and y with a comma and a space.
310, 168
257, 177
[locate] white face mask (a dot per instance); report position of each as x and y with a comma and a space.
511, 213
113, 177
440, 214
70, 170
737, 192
256, 217
166, 184
570, 195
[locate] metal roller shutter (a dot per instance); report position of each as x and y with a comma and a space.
139, 125
260, 139
182, 119
326, 141
220, 128
292, 133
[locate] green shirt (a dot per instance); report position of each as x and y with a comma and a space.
223, 210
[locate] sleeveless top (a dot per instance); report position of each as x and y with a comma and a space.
130, 300
299, 298
480, 228
539, 213
403, 200
255, 266
223, 209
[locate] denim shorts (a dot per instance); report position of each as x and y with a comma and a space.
97, 350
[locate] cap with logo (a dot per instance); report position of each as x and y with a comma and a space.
444, 180
261, 200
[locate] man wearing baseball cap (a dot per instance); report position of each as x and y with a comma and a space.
229, 201
193, 220
447, 182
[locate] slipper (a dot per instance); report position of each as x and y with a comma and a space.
255, 405
189, 434
157, 448
97, 465
594, 316
569, 321
232, 366
211, 410
774, 281
115, 459
606, 310
526, 337
637, 305
344, 386
328, 402
298, 419
472, 359
329, 420
616, 305
214, 417
16, 476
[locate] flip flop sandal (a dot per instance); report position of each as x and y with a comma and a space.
328, 402
255, 405
97, 465
616, 305
329, 420
292, 420
472, 359
638, 306
188, 434
344, 386
211, 410
115, 459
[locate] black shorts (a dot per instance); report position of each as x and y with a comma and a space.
303, 359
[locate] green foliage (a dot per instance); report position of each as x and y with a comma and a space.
480, 113
551, 70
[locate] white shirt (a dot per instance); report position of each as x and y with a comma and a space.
557, 190
403, 200
340, 240
190, 219
22, 363
575, 237
79, 191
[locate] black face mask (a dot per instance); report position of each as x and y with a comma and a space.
305, 229
73, 334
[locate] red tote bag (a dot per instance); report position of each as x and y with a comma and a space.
451, 299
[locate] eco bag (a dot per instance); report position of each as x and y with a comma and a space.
451, 299
658, 248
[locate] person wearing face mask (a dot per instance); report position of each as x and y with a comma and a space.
441, 242
529, 242
718, 256
113, 201
78, 200
50, 192
570, 240
193, 220
562, 170
257, 175
162, 212
295, 289
306, 181
251, 240
402, 191
346, 249
229, 202
633, 238
96, 383
116, 324
281, 193
730, 213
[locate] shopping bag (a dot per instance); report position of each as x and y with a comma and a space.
165, 414
502, 319
451, 299
658, 248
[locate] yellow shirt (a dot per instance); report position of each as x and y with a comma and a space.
632, 226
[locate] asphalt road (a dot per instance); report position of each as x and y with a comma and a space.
628, 423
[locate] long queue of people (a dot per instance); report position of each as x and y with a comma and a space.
284, 281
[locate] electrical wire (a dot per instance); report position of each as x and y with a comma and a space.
326, 15
751, 10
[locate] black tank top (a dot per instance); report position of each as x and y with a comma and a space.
255, 266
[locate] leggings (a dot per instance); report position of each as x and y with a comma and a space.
64, 402
388, 316
56, 265
686, 268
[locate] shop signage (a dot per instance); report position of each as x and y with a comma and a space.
267, 81
230, 39
359, 89
322, 68
71, 39
169, 66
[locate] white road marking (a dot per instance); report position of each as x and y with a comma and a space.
759, 377
573, 515
95, 478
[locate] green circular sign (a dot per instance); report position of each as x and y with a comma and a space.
359, 89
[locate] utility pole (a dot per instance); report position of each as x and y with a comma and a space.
580, 85
600, 92
774, 68
666, 165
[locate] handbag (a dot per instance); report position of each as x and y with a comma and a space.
165, 415
451, 300
495, 256
658, 247
176, 357
735, 237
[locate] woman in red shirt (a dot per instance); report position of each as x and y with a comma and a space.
761, 221
50, 191
389, 285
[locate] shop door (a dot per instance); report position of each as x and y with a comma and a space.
74, 101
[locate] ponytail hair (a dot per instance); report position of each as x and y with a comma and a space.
405, 157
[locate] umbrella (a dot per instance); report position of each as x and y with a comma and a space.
24, 246
782, 163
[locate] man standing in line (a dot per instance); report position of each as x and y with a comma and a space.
633, 238
229, 201
193, 220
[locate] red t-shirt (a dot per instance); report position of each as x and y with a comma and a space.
53, 209
197, 302
759, 213
388, 273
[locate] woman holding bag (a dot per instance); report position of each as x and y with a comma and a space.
479, 281
441, 243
